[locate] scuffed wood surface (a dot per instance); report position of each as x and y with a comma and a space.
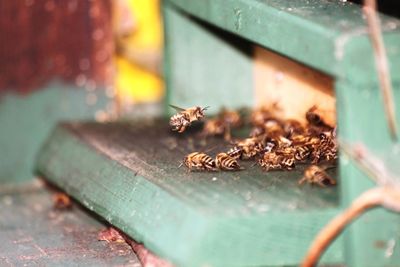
33, 233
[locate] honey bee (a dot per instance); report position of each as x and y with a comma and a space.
317, 175
315, 119
231, 117
303, 146
275, 161
293, 127
222, 125
270, 145
287, 157
325, 149
257, 131
261, 115
247, 148
225, 162
185, 117
62, 201
199, 161
235, 152
214, 127
303, 152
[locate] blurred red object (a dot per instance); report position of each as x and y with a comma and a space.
43, 39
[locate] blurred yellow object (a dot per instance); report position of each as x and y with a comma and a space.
139, 41
135, 84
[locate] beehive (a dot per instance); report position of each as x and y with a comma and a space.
240, 53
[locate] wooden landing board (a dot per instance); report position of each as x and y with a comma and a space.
128, 173
32, 233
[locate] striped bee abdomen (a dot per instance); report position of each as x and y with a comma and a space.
225, 162
199, 161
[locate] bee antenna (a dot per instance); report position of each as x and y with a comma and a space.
180, 165
254, 164
205, 108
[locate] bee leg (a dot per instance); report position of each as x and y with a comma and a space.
320, 183
182, 129
302, 180
332, 181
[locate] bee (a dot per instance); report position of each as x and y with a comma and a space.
317, 175
222, 125
292, 128
214, 127
257, 131
62, 201
270, 161
248, 148
325, 149
303, 152
275, 161
231, 118
270, 145
199, 161
235, 152
287, 157
261, 115
185, 117
225, 162
303, 146
315, 120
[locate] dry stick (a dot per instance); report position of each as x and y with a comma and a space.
381, 64
367, 200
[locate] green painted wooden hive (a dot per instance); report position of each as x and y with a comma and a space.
230, 53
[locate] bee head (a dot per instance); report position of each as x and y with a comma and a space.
185, 161
200, 112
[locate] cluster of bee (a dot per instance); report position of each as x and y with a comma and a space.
274, 144
204, 162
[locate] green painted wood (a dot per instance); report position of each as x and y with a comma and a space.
313, 32
369, 240
26, 120
128, 173
330, 36
33, 233
197, 59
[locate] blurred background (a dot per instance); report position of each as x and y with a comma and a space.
90, 44
73, 59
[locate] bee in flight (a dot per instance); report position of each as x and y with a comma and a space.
317, 175
199, 161
225, 162
180, 121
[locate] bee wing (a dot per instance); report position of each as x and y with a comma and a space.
177, 108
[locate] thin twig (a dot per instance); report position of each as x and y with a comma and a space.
367, 200
381, 65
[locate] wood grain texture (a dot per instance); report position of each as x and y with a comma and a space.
34, 234
331, 37
320, 34
128, 174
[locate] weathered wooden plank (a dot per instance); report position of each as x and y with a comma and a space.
33, 233
313, 32
128, 174
198, 56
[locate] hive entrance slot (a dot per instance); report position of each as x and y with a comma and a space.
294, 86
